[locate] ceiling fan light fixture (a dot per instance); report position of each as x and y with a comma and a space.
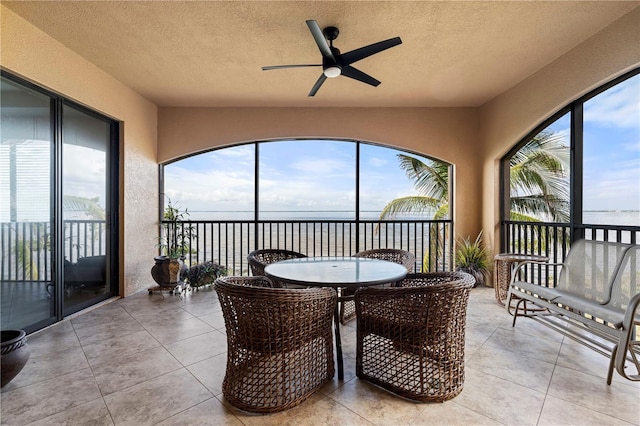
332, 72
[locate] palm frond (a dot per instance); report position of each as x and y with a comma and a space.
431, 178
414, 205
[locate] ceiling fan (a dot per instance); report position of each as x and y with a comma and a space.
334, 63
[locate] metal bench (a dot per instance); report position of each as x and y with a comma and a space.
595, 301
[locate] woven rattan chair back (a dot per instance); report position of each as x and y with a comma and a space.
402, 257
259, 259
249, 281
410, 338
279, 343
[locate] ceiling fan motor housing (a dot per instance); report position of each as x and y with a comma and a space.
332, 67
331, 33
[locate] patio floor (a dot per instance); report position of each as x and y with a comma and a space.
160, 359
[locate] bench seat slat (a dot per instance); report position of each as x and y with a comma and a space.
612, 315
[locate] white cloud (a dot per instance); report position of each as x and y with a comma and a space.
84, 172
615, 189
322, 166
631, 146
200, 190
377, 162
617, 107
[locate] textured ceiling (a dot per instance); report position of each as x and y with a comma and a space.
210, 53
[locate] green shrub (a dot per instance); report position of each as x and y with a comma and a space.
473, 258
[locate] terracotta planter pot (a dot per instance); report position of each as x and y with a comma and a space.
15, 354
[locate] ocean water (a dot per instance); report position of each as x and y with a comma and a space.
229, 244
618, 217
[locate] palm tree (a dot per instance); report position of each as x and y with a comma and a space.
538, 182
432, 182
89, 207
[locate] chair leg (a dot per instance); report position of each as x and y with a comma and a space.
612, 364
515, 314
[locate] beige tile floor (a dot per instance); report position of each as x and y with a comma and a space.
160, 359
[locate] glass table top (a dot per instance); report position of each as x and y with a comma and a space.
336, 271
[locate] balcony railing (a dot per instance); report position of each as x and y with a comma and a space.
26, 247
553, 241
229, 242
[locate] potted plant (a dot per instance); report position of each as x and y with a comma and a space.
15, 354
473, 258
175, 242
204, 273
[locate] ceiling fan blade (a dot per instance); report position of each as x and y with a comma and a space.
320, 40
278, 67
366, 51
316, 86
356, 74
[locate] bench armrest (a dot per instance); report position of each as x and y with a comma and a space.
626, 344
514, 273
630, 314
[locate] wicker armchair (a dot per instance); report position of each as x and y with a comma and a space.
259, 259
410, 337
279, 343
402, 257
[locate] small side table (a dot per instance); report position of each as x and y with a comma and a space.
505, 264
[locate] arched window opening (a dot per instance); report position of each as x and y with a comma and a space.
576, 176
318, 197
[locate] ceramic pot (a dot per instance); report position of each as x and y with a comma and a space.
15, 354
478, 275
160, 271
167, 272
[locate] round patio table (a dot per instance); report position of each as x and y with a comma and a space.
336, 272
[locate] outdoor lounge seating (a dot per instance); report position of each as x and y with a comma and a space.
402, 257
87, 273
411, 337
594, 302
279, 343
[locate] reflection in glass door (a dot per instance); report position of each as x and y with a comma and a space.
85, 207
26, 268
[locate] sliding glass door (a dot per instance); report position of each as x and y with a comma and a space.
58, 204
85, 207
27, 281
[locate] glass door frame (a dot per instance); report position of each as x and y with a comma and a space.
111, 218
57, 103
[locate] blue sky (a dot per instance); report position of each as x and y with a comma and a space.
612, 148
